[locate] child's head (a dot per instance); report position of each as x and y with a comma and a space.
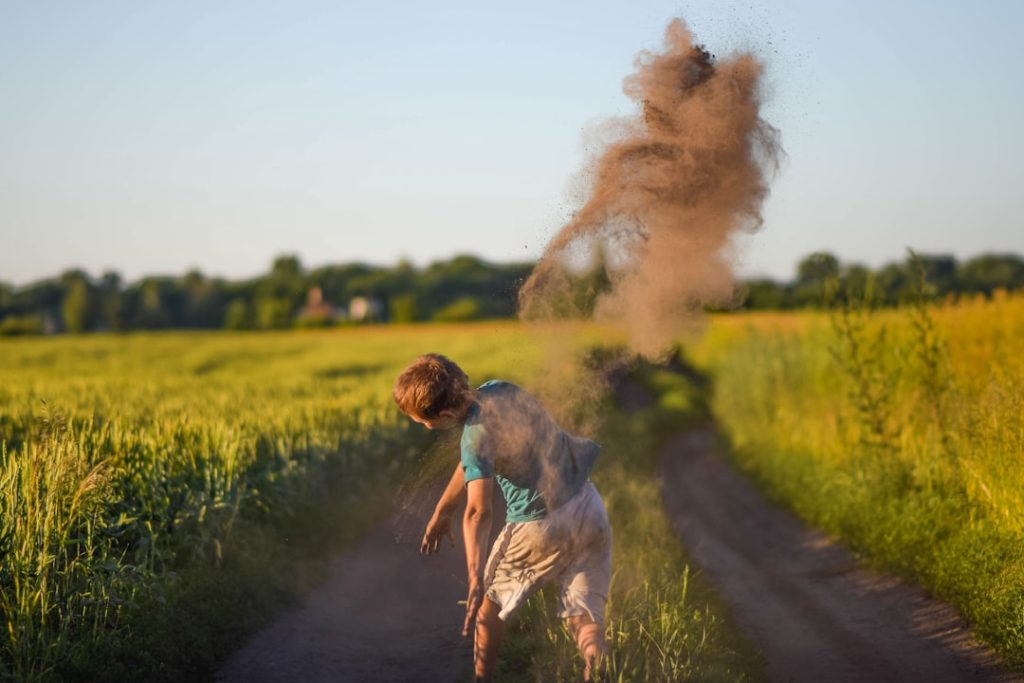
432, 391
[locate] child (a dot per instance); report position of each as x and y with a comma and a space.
556, 526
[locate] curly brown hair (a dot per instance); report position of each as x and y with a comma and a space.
431, 384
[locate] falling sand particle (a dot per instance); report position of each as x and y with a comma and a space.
679, 180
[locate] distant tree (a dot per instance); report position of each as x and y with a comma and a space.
238, 315
403, 308
764, 293
812, 274
286, 268
75, 309
286, 280
988, 272
939, 270
44, 297
111, 304
157, 303
204, 301
816, 268
273, 313
855, 273
494, 287
893, 283
6, 300
280, 294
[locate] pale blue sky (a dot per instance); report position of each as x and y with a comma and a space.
153, 137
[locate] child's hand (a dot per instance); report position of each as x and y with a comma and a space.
437, 528
474, 599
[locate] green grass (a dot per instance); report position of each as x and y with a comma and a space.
160, 495
163, 495
901, 432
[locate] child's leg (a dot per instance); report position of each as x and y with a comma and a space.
489, 631
589, 637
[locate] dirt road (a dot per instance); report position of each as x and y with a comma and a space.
799, 596
384, 613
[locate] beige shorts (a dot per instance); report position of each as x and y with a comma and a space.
572, 545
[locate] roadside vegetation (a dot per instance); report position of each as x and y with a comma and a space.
164, 495
900, 430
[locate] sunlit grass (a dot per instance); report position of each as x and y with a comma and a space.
161, 493
902, 431
134, 465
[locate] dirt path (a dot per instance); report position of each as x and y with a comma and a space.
800, 597
384, 613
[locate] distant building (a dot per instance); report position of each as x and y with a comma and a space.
365, 309
319, 310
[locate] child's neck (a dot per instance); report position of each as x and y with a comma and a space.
463, 410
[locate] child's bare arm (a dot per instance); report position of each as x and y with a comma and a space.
440, 524
453, 492
476, 528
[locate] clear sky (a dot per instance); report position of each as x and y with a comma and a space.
153, 137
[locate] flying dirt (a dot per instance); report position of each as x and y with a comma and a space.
667, 193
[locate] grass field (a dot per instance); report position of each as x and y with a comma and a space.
900, 431
163, 495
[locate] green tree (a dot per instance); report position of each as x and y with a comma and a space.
817, 268
6, 296
238, 315
988, 272
403, 308
111, 303
855, 280
812, 275
940, 271
764, 293
204, 301
893, 283
75, 308
273, 313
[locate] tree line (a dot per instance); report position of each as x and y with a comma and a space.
461, 288
889, 285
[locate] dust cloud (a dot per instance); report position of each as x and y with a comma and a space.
666, 195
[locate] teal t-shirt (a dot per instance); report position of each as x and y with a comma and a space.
509, 435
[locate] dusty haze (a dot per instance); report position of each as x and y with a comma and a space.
665, 196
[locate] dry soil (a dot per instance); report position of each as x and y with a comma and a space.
387, 613
801, 597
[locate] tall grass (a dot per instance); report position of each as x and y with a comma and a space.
663, 623
50, 497
901, 431
161, 495
153, 481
